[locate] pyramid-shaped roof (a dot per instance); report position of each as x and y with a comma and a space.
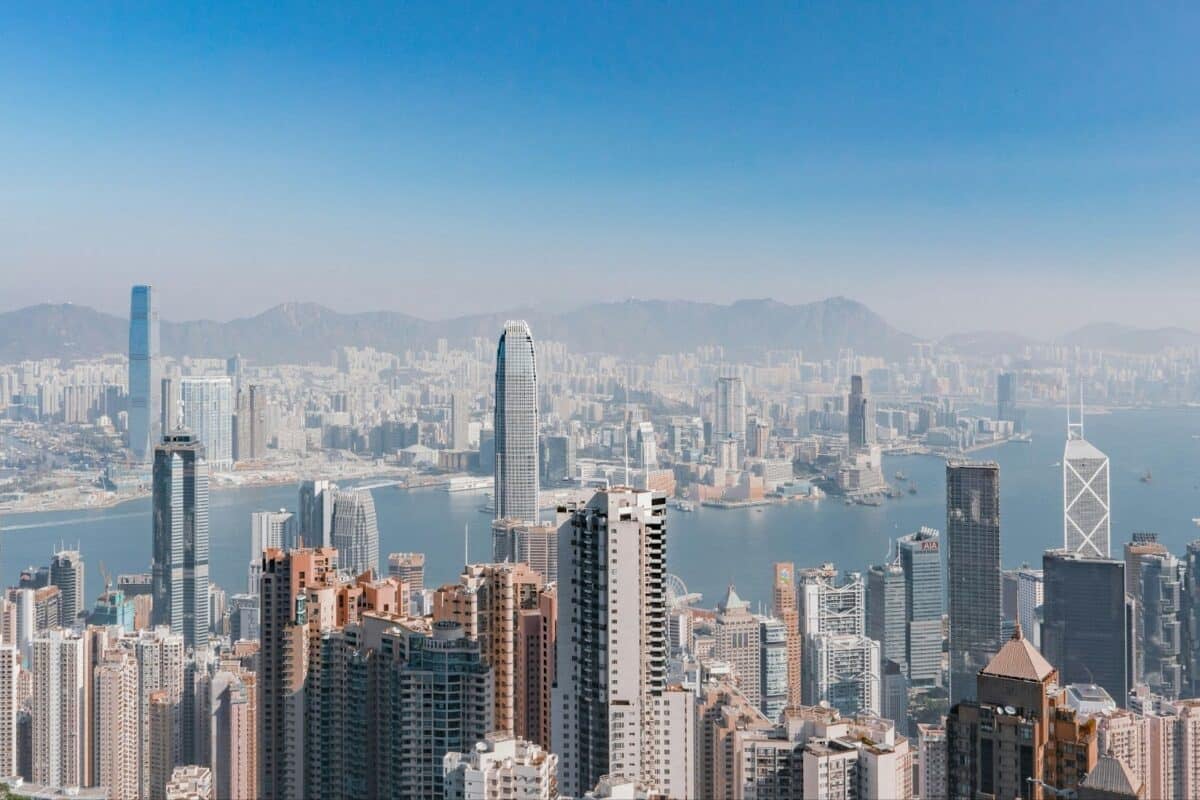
732, 601
1019, 659
1111, 775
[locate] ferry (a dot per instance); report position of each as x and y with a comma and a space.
900, 476
684, 505
1146, 477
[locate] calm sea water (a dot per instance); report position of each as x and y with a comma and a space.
711, 547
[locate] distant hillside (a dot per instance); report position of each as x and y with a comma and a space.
305, 332
1125, 339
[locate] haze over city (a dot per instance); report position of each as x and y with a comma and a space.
600, 402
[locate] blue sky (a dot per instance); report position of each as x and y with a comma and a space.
956, 166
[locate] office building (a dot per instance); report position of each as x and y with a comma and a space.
460, 421
61, 709
356, 531
268, 529
1020, 728
1086, 526
558, 460
170, 414
1085, 627
1030, 597
180, 552
207, 411
729, 415
67, 573
409, 569
316, 513
773, 667
887, 612
785, 607
144, 368
737, 643
860, 416
1006, 397
843, 670
829, 605
921, 563
516, 425
1191, 617
501, 767
1160, 636
973, 564
612, 649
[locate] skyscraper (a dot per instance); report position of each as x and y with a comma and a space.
860, 416
786, 609
1085, 496
10, 697
729, 411
773, 667
207, 404
841, 663
268, 529
921, 561
1084, 627
66, 572
460, 421
144, 387
738, 643
612, 648
973, 563
61, 712
356, 531
180, 551
887, 612
316, 513
516, 425
1160, 640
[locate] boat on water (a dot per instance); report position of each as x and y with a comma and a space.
1146, 477
684, 506
1196, 521
912, 488
900, 476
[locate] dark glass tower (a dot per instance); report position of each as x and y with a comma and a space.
973, 570
180, 563
1084, 632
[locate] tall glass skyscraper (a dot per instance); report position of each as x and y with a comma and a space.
180, 558
208, 413
516, 425
729, 410
356, 531
921, 560
144, 380
1086, 528
973, 562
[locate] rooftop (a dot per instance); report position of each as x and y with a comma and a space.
1019, 659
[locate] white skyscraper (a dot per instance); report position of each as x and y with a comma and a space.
841, 663
611, 699
1086, 526
275, 529
207, 404
516, 425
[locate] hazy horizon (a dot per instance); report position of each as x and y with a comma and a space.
961, 168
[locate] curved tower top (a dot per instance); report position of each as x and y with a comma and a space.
516, 425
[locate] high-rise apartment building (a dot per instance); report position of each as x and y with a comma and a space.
1019, 729
1006, 397
932, 767
67, 573
61, 709
1191, 617
1086, 526
501, 768
117, 733
251, 424
516, 425
612, 648
409, 569
316, 513
234, 743
10, 699
1085, 624
973, 563
921, 563
356, 531
860, 416
207, 411
144, 388
773, 667
785, 607
160, 656
180, 552
738, 643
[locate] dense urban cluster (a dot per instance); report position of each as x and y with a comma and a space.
572, 662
